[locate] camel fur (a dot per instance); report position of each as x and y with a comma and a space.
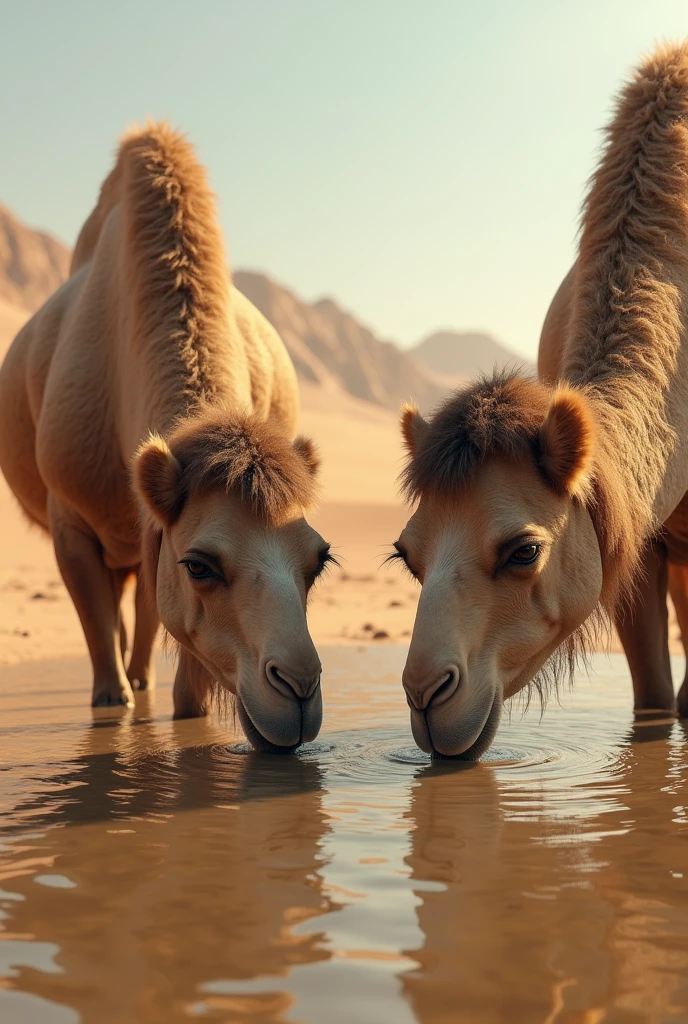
148, 349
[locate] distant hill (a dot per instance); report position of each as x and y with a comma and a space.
332, 351
331, 348
460, 354
32, 264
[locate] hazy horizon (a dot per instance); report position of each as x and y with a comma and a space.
424, 165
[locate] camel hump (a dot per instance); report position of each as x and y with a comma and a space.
169, 208
166, 192
172, 255
639, 188
634, 232
664, 71
653, 102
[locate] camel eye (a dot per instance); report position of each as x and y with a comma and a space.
526, 555
198, 570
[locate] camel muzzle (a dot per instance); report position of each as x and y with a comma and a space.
457, 727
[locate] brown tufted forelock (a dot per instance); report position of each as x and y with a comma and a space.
246, 456
498, 415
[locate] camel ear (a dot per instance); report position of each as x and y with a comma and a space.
157, 479
309, 453
413, 427
567, 441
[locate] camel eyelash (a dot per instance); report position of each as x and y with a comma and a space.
400, 558
326, 561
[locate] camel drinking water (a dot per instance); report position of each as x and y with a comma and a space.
545, 506
148, 358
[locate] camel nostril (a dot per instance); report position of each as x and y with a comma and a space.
442, 689
278, 681
301, 687
446, 689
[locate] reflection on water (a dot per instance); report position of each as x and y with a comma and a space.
155, 871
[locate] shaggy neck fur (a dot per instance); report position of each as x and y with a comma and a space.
174, 268
623, 338
624, 335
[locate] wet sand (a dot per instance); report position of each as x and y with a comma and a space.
154, 871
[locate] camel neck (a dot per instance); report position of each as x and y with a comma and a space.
631, 383
176, 383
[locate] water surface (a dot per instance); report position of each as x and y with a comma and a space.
153, 871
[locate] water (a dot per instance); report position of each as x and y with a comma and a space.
153, 871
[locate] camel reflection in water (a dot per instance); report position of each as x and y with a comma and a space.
190, 865
545, 915
543, 893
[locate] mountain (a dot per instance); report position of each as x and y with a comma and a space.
459, 355
351, 381
32, 264
331, 348
334, 353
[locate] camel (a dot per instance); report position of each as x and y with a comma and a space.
147, 413
544, 508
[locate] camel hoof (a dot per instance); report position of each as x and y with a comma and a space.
108, 701
682, 704
142, 685
193, 712
141, 680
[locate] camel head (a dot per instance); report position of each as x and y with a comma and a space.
231, 560
504, 548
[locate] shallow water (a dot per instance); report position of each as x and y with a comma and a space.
157, 872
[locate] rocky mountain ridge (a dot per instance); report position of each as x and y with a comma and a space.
331, 349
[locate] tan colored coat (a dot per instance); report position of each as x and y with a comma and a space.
147, 358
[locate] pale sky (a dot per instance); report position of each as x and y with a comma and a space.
421, 161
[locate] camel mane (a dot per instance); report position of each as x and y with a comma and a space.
173, 258
625, 330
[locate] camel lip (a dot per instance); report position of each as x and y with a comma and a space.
482, 742
258, 741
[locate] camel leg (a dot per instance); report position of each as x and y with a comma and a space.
121, 577
191, 690
123, 639
141, 664
643, 627
678, 588
96, 592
